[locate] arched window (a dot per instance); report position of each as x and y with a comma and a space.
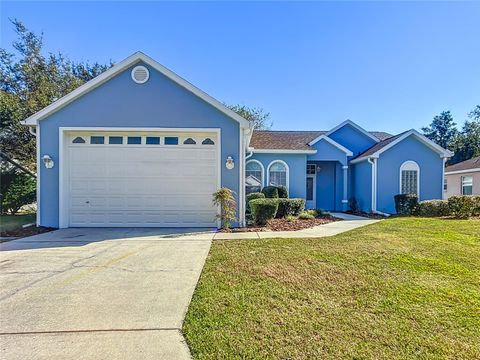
189, 141
278, 173
208, 141
410, 178
253, 176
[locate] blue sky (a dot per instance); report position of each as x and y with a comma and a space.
387, 66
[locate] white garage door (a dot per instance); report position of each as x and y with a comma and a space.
142, 179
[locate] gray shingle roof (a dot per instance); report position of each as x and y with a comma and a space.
472, 163
293, 140
380, 145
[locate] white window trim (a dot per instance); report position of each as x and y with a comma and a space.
261, 166
410, 165
462, 183
287, 175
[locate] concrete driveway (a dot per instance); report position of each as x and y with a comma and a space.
99, 293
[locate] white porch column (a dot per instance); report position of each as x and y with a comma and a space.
345, 188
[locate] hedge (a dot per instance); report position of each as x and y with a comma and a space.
463, 206
405, 204
263, 210
290, 207
433, 208
253, 196
16, 190
270, 192
282, 192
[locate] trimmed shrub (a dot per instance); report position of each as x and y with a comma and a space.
306, 215
270, 192
290, 207
263, 210
433, 208
406, 204
253, 196
462, 206
476, 205
321, 212
282, 192
353, 204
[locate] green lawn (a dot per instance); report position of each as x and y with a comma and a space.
10, 222
404, 288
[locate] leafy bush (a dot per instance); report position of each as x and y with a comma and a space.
17, 189
307, 215
270, 192
290, 207
433, 208
253, 196
282, 192
406, 204
321, 212
290, 218
462, 206
224, 197
263, 210
476, 202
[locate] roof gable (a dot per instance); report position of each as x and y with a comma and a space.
331, 142
356, 127
117, 69
379, 148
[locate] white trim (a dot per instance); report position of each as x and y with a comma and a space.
444, 179
287, 175
63, 194
444, 153
262, 167
283, 151
344, 201
462, 171
332, 142
116, 69
345, 167
140, 67
241, 170
409, 165
373, 163
39, 170
354, 125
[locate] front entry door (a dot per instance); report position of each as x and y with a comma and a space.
311, 202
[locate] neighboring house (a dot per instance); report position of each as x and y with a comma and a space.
462, 178
140, 146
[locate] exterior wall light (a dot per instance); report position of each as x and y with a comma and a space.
48, 162
229, 164
318, 168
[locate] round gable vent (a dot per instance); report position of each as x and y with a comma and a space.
140, 74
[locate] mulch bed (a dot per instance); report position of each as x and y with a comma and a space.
364, 214
24, 232
285, 225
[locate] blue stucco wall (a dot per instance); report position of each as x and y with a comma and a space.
388, 180
352, 139
297, 164
120, 102
326, 151
362, 184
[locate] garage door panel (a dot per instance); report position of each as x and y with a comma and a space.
142, 185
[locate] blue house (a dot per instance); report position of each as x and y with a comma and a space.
140, 146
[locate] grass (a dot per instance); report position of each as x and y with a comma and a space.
11, 222
403, 288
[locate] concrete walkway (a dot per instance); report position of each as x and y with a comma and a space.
99, 293
348, 223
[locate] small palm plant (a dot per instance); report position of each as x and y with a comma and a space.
225, 199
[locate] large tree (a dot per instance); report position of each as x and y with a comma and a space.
29, 81
466, 144
260, 119
442, 129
